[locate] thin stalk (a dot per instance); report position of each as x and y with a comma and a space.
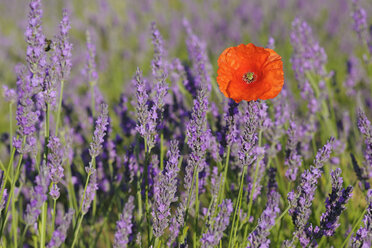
45, 204
59, 107
14, 224
161, 151
43, 224
223, 185
250, 203
11, 124
196, 209
54, 214
77, 228
24, 234
357, 224
93, 103
237, 209
10, 197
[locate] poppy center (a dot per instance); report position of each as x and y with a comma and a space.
249, 77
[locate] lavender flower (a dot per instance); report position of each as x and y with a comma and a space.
124, 225
99, 132
248, 137
308, 55
293, 159
36, 57
159, 68
61, 57
90, 192
197, 133
60, 234
198, 56
10, 95
361, 172
258, 238
146, 124
365, 128
301, 201
55, 157
215, 232
165, 191
363, 237
359, 16
335, 204
38, 196
90, 67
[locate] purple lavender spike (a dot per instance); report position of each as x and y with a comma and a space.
359, 16
165, 190
215, 232
99, 132
124, 225
308, 55
363, 237
60, 234
365, 128
301, 201
38, 197
258, 238
90, 192
293, 159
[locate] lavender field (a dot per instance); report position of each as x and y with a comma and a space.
127, 123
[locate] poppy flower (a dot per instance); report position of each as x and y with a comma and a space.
247, 72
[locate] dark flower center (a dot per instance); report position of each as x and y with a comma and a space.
249, 77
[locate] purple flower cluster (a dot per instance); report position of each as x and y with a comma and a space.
165, 190
365, 128
38, 196
308, 55
99, 132
197, 133
124, 225
90, 67
359, 16
301, 201
55, 159
60, 234
293, 159
248, 136
90, 191
363, 237
146, 118
159, 68
215, 232
259, 236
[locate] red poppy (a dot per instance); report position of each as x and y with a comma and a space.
247, 72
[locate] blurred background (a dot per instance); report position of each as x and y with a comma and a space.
121, 32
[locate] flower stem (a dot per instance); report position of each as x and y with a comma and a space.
196, 208
77, 228
43, 224
59, 107
93, 103
357, 224
250, 203
237, 210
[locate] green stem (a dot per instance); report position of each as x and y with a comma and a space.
53, 215
59, 107
357, 224
93, 103
43, 224
237, 210
196, 208
76, 231
223, 185
10, 197
11, 124
161, 151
